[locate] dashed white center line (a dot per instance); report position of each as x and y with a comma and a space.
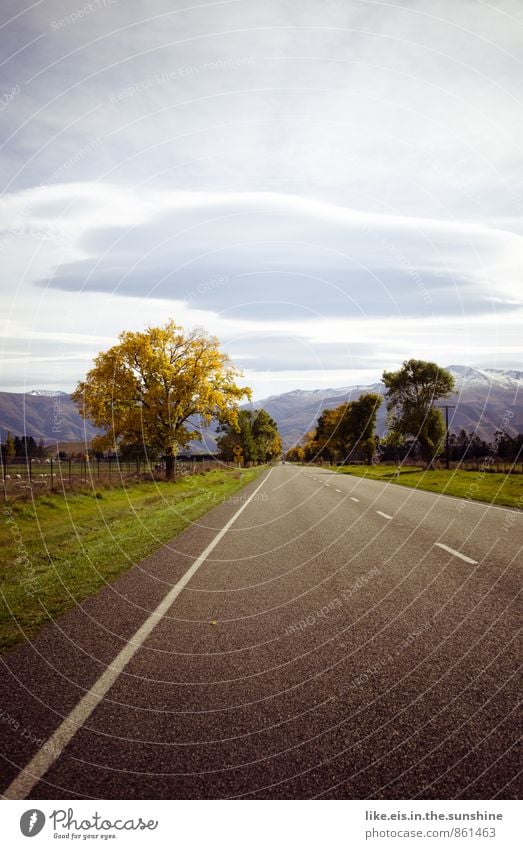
456, 553
385, 515
354, 499
338, 490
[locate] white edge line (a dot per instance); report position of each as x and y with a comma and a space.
50, 751
456, 553
385, 515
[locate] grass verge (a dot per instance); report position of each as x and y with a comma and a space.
491, 487
57, 551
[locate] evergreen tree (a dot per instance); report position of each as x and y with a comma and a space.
9, 448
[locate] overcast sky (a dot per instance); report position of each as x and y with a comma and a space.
330, 187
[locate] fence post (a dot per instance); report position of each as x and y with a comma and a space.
109, 459
70, 479
98, 468
52, 478
4, 463
30, 469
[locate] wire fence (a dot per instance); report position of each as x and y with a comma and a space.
506, 467
32, 476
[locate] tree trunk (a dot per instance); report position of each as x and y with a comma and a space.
430, 458
427, 454
169, 465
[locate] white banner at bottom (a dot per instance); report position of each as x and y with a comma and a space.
260, 824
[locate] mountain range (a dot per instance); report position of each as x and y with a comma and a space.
485, 401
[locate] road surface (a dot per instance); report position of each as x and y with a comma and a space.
318, 636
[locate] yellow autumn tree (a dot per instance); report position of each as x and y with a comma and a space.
156, 387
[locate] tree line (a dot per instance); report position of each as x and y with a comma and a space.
343, 433
22, 447
415, 423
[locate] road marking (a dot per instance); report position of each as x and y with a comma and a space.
327, 484
385, 515
354, 499
456, 553
338, 490
50, 751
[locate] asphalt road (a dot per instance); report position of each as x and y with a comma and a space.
328, 646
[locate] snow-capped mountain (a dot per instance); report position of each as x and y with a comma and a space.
506, 378
47, 393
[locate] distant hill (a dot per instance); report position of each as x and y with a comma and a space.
51, 416
482, 400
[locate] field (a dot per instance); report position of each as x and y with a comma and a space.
491, 487
59, 549
40, 477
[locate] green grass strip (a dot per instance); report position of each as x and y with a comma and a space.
490, 487
60, 549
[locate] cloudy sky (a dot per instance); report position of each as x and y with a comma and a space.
330, 186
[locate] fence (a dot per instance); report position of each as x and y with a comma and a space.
502, 466
506, 467
21, 477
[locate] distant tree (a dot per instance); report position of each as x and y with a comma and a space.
357, 426
326, 442
226, 443
392, 446
411, 393
136, 451
156, 387
8, 452
310, 447
507, 447
266, 437
254, 438
236, 440
462, 445
25, 447
347, 430
296, 454
471, 446
41, 450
